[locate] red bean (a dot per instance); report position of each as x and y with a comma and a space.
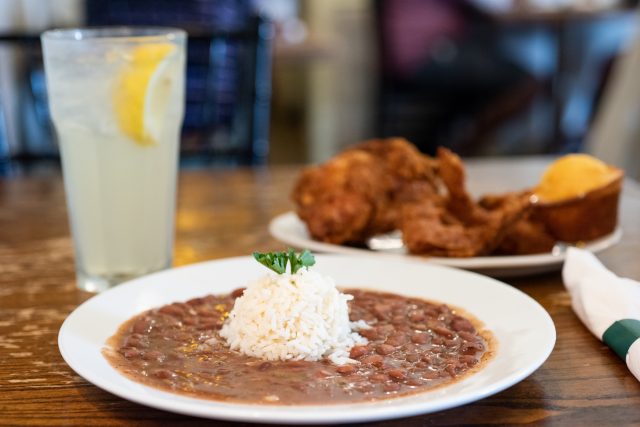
356, 378
382, 311
437, 340
416, 316
130, 353
132, 342
373, 359
451, 343
370, 334
163, 374
385, 329
180, 335
167, 322
211, 300
378, 378
358, 351
208, 324
194, 302
415, 382
186, 307
397, 374
432, 312
177, 355
190, 320
135, 342
265, 366
444, 309
419, 338
461, 324
399, 309
142, 326
153, 355
346, 369
443, 331
469, 360
412, 357
404, 328
399, 320
475, 346
365, 388
467, 336
396, 340
391, 387
385, 349
431, 375
451, 369
208, 316
172, 310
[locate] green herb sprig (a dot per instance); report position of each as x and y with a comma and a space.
277, 261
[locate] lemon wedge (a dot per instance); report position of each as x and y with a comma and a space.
142, 92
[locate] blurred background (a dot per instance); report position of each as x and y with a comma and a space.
295, 81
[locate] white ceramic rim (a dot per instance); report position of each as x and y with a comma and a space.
524, 330
289, 229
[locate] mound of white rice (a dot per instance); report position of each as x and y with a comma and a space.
299, 316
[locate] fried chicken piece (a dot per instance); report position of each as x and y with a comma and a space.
338, 199
431, 229
409, 175
402, 160
380, 185
359, 192
459, 203
527, 236
456, 226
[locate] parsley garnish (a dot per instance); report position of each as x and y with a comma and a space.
277, 261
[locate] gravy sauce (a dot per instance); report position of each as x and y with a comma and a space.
414, 346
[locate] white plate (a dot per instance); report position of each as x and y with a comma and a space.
289, 229
524, 331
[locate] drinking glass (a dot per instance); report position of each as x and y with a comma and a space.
116, 97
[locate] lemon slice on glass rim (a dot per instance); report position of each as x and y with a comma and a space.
142, 92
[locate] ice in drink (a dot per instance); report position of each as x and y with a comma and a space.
117, 104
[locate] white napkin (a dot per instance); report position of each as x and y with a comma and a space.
607, 304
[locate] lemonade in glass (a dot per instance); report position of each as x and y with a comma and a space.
116, 97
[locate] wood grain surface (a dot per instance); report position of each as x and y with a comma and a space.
225, 213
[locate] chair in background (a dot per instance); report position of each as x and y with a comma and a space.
444, 81
26, 134
494, 78
228, 81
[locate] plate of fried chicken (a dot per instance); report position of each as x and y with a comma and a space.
386, 187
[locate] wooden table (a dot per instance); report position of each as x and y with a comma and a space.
225, 213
